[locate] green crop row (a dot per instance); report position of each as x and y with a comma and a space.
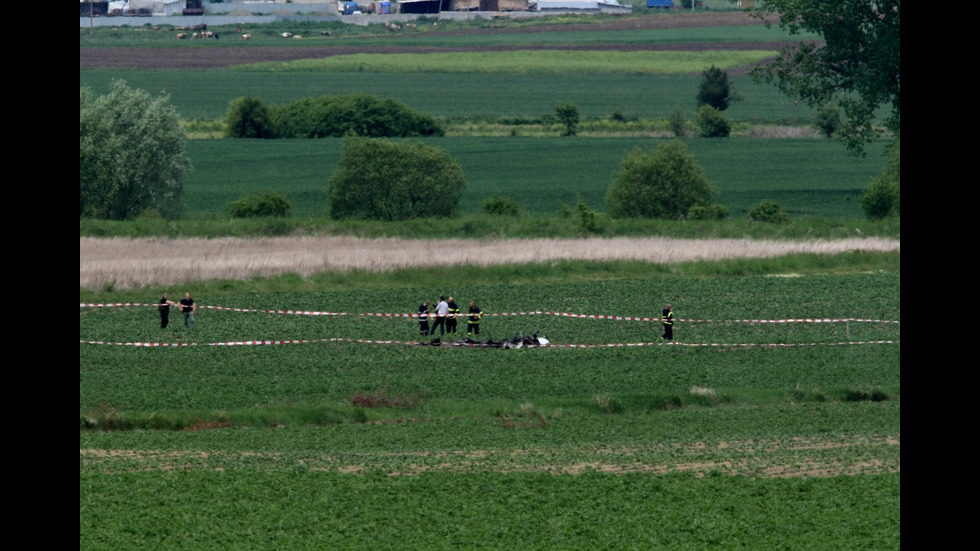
206, 94
310, 510
329, 373
805, 176
523, 61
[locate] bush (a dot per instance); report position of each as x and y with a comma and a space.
588, 219
880, 198
677, 123
715, 89
131, 154
827, 119
384, 180
568, 116
768, 211
713, 123
248, 118
352, 115
664, 184
714, 212
502, 206
269, 204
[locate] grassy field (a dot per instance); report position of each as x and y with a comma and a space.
808, 177
206, 94
573, 448
750, 432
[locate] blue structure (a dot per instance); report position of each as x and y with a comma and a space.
660, 3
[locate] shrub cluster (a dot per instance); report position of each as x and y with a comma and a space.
384, 180
663, 184
269, 204
328, 116
713, 123
768, 211
714, 212
883, 196
502, 206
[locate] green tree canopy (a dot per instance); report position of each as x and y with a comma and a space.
131, 154
352, 115
663, 184
568, 116
248, 117
384, 180
715, 89
857, 65
884, 196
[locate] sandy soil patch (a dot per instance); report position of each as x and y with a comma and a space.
134, 263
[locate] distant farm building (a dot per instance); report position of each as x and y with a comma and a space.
141, 7
604, 6
437, 6
660, 3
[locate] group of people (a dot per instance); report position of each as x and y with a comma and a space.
187, 307
445, 318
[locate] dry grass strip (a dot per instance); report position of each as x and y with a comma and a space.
134, 263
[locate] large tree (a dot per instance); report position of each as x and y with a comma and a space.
857, 64
384, 180
131, 154
715, 89
248, 117
663, 184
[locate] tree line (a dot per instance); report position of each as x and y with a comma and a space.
132, 160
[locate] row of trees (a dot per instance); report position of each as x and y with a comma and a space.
131, 155
328, 116
132, 160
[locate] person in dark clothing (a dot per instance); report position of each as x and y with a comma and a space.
451, 320
668, 319
188, 307
165, 304
473, 321
424, 318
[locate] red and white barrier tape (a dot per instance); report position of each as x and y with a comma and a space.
480, 345
509, 314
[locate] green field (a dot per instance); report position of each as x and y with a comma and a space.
808, 177
206, 94
490, 442
754, 431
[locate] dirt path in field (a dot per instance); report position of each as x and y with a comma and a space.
135, 263
796, 457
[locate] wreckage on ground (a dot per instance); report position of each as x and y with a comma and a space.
519, 341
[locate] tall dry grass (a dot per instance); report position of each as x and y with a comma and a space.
125, 263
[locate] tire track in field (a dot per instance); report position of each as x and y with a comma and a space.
851, 455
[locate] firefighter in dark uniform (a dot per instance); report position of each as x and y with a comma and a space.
668, 318
473, 321
424, 318
453, 312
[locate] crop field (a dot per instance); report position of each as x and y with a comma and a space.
807, 177
774, 420
307, 412
206, 94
